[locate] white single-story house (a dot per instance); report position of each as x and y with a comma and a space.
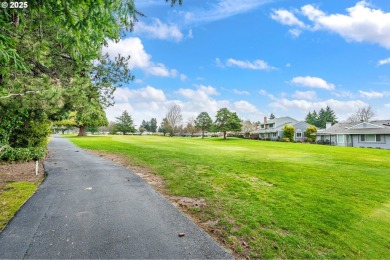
375, 134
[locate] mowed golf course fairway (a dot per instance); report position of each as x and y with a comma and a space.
273, 199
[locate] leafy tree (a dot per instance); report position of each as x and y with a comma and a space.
191, 126
65, 124
145, 125
173, 120
92, 115
272, 116
203, 122
362, 114
227, 121
173, 2
124, 123
288, 132
110, 128
247, 126
142, 129
310, 131
162, 128
153, 125
51, 64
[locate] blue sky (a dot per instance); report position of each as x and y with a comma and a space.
256, 57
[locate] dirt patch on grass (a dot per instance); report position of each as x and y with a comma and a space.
186, 202
12, 172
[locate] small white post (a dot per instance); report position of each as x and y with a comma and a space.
36, 167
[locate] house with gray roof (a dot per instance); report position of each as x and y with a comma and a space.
375, 134
273, 128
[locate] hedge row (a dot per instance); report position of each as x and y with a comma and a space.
9, 153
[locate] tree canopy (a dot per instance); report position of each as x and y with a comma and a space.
204, 122
124, 123
173, 119
362, 114
321, 118
288, 132
227, 121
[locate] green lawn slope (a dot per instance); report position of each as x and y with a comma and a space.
272, 199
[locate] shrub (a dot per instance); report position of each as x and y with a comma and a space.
288, 132
285, 139
310, 133
22, 154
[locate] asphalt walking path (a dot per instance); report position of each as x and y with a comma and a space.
89, 207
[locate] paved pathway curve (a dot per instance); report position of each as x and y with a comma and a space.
89, 207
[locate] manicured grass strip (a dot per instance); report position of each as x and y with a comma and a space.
271, 199
12, 196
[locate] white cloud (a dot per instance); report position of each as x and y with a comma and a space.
159, 30
373, 94
384, 61
265, 93
219, 63
387, 105
145, 103
240, 92
142, 104
343, 93
312, 82
361, 23
190, 35
305, 95
287, 18
221, 9
245, 106
139, 57
148, 93
255, 65
295, 32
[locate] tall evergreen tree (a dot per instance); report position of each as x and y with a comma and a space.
124, 123
153, 125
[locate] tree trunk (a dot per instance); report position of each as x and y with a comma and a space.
82, 130
224, 134
202, 134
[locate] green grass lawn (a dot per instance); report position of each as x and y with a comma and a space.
12, 196
271, 199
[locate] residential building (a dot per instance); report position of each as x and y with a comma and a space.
375, 134
273, 128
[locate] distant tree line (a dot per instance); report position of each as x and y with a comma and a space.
321, 118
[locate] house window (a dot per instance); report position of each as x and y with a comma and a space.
370, 138
274, 134
299, 135
340, 138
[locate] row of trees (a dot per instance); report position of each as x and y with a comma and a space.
321, 118
225, 121
362, 114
